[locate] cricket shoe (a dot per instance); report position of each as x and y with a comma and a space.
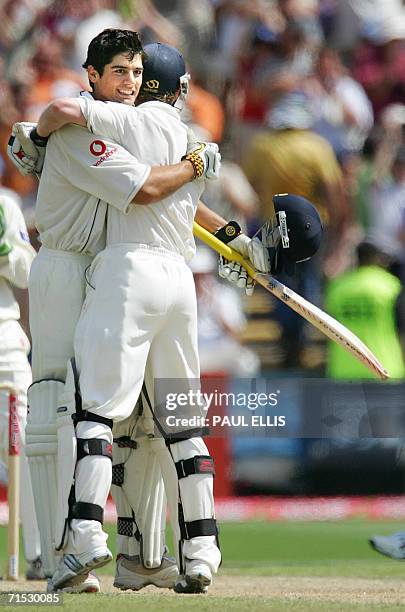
71, 568
197, 578
131, 574
392, 546
89, 584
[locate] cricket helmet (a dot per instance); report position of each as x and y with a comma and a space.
164, 71
294, 234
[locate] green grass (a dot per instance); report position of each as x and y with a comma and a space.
286, 549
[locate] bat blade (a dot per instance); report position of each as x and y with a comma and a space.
318, 318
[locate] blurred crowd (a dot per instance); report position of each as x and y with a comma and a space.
303, 96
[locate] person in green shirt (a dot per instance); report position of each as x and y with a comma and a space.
367, 300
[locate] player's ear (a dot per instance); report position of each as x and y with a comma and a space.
92, 74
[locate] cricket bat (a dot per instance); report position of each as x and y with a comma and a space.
317, 317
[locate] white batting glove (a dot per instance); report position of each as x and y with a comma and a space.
204, 156
25, 153
251, 248
235, 274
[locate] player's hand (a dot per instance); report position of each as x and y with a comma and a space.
234, 273
204, 156
251, 248
27, 155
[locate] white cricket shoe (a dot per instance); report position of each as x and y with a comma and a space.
197, 578
392, 546
131, 574
71, 568
89, 584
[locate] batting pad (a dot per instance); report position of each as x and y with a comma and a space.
127, 544
143, 487
41, 451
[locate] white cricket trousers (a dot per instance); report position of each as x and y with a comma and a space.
56, 292
15, 373
140, 317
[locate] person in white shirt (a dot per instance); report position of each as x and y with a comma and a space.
139, 323
80, 175
16, 257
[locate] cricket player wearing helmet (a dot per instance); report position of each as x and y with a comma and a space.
139, 322
80, 175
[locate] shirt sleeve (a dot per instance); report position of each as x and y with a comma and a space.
99, 166
107, 118
16, 265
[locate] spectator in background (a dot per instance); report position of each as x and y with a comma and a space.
388, 202
204, 109
366, 300
379, 63
8, 115
290, 158
51, 79
343, 113
387, 194
220, 322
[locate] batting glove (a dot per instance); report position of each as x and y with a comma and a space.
204, 157
251, 248
26, 148
234, 273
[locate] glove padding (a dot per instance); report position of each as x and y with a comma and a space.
235, 274
252, 249
25, 155
204, 156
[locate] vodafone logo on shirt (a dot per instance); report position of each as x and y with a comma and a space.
97, 148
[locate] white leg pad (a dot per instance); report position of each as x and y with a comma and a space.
127, 544
67, 453
92, 484
196, 495
144, 489
41, 451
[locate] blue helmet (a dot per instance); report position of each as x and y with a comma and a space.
294, 235
163, 70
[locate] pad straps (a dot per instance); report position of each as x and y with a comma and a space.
199, 464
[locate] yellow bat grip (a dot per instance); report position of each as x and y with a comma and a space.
222, 248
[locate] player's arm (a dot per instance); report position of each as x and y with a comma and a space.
208, 219
59, 113
201, 159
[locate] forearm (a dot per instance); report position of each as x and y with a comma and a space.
208, 219
163, 181
59, 113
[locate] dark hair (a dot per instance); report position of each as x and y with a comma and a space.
112, 42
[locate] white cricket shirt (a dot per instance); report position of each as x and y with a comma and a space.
154, 133
81, 174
